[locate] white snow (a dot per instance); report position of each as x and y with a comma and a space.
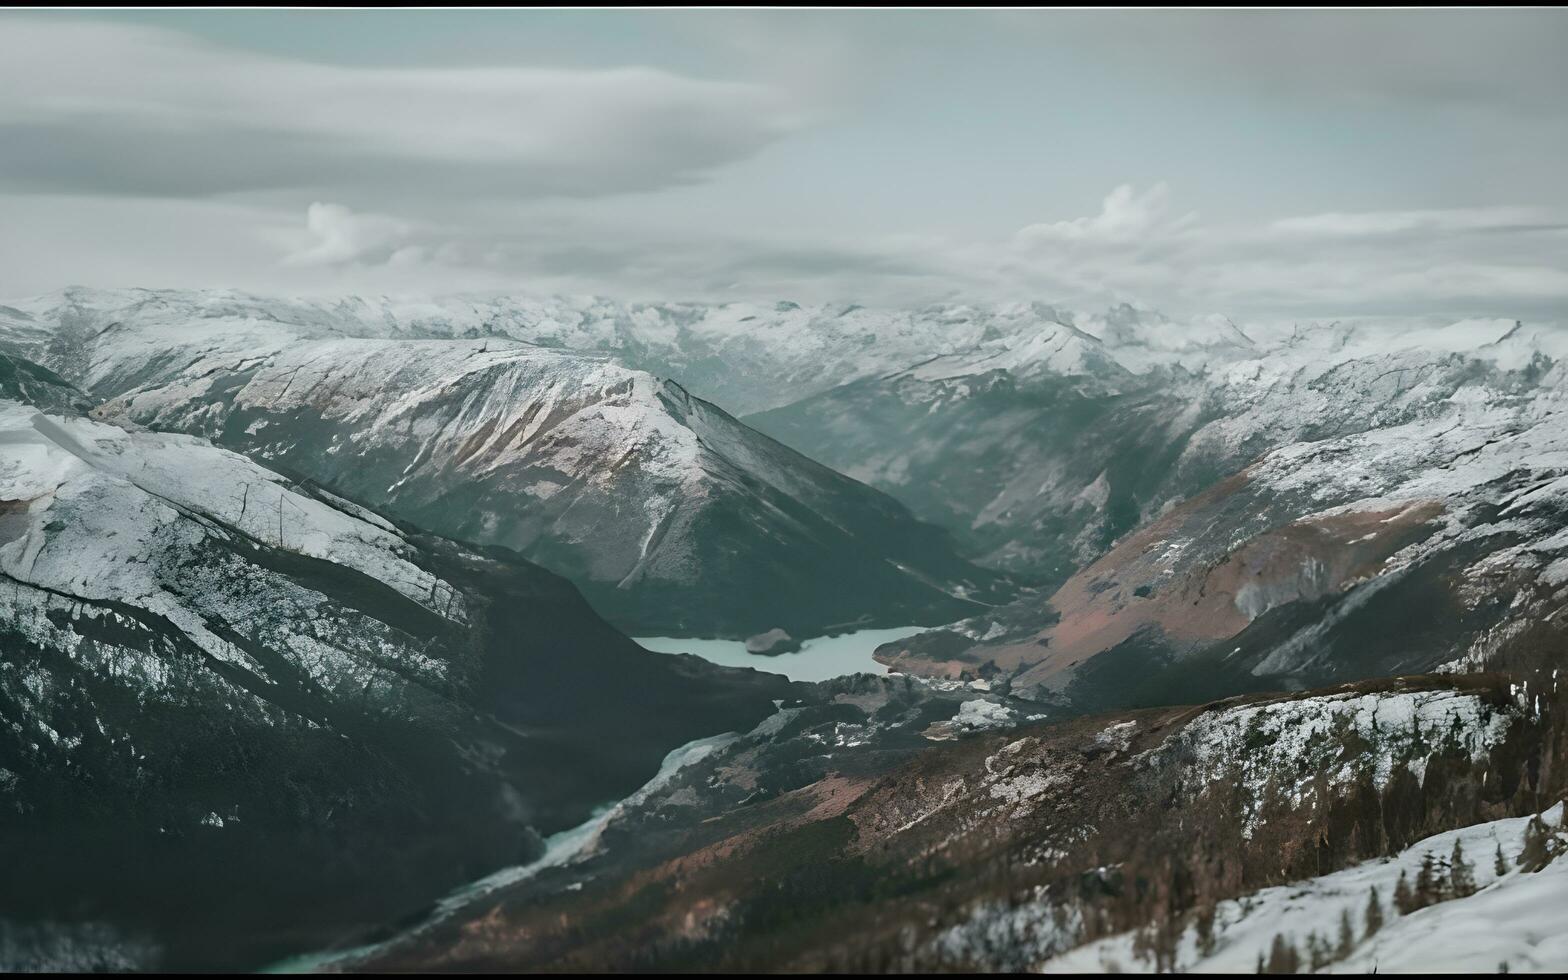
1299, 737
118, 516
1515, 920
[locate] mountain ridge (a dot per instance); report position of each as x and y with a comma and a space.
674, 517
267, 715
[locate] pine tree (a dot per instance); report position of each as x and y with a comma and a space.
1536, 853
1319, 952
1404, 901
1283, 957
1347, 935
1429, 884
1461, 876
1499, 863
1374, 914
1205, 930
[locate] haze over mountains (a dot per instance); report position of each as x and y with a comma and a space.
287, 598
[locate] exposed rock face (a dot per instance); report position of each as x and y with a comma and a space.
23, 381
671, 516
772, 643
241, 717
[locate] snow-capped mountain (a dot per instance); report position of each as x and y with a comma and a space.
1039, 465
1407, 511
266, 714
744, 357
674, 518
1146, 339
1034, 470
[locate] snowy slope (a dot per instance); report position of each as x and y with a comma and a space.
223, 689
1513, 922
830, 839
672, 516
746, 357
1318, 503
1040, 463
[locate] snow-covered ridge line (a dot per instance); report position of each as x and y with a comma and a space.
750, 356
493, 398
1308, 736
95, 510
641, 494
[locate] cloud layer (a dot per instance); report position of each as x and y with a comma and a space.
1315, 163
115, 109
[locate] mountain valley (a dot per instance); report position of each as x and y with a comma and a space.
1282, 603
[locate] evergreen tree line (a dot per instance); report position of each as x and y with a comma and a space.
1437, 880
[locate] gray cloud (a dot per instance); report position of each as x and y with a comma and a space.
1140, 247
131, 156
1508, 59
125, 110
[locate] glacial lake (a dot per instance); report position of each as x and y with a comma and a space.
818, 659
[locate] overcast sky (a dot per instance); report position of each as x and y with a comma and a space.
1248, 162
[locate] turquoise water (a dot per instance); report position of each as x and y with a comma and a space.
817, 660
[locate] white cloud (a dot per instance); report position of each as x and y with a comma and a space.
1453, 263
341, 236
1140, 248
1126, 217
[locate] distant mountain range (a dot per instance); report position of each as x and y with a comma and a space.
1323, 513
